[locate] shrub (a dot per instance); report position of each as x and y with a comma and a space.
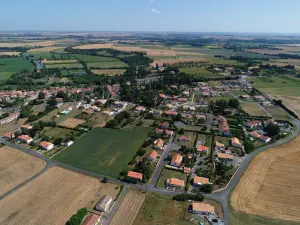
185, 197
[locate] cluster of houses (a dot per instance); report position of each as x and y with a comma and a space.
223, 153
257, 133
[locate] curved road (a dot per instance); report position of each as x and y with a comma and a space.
221, 196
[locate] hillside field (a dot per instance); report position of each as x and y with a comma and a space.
270, 188
104, 151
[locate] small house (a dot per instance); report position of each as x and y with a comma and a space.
26, 127
176, 160
264, 139
25, 138
184, 139
202, 208
186, 170
202, 148
200, 181
152, 155
235, 142
164, 125
158, 144
8, 136
225, 157
140, 109
46, 145
219, 146
174, 182
92, 219
134, 176
254, 134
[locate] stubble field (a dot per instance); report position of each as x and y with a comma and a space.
129, 208
50, 199
16, 167
271, 186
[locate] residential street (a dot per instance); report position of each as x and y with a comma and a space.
221, 196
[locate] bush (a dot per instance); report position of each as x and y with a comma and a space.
141, 152
185, 197
181, 131
77, 218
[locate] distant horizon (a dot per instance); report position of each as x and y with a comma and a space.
149, 32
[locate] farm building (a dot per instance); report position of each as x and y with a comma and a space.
176, 160
10, 118
25, 138
247, 97
158, 144
202, 148
173, 182
46, 145
68, 143
152, 156
259, 98
104, 203
92, 219
202, 208
199, 181
236, 142
134, 176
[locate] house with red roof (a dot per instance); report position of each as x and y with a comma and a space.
25, 138
152, 155
176, 160
134, 176
46, 145
92, 219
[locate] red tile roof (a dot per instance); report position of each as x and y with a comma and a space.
135, 175
91, 219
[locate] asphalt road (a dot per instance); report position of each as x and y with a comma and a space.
222, 196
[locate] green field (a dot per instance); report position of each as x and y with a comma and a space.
109, 72
283, 85
166, 174
48, 55
200, 72
62, 65
9, 66
100, 61
104, 151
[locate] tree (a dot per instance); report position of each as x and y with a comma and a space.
222, 104
41, 95
58, 141
233, 103
272, 129
141, 152
46, 138
181, 131
249, 146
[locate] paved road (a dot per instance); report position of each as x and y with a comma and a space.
222, 196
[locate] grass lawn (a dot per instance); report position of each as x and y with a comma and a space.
9, 66
104, 151
189, 144
57, 132
253, 109
216, 98
166, 174
277, 112
162, 210
223, 140
238, 92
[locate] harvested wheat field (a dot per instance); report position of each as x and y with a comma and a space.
50, 199
129, 208
159, 52
46, 49
129, 48
59, 61
271, 185
253, 109
94, 46
172, 61
10, 53
16, 167
71, 123
22, 44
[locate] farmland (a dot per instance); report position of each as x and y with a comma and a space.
253, 109
64, 65
129, 208
259, 192
166, 211
104, 151
201, 72
292, 102
9, 66
109, 72
93, 46
10, 53
100, 61
16, 167
50, 199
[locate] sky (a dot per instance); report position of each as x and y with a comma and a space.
262, 16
